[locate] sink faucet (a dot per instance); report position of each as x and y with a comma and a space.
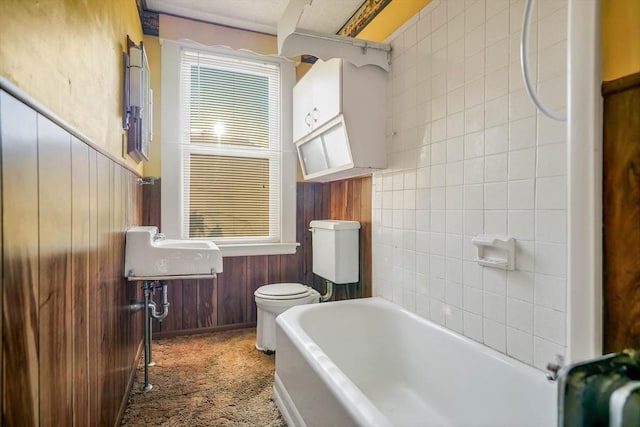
158, 236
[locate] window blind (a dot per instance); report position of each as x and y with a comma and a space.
231, 148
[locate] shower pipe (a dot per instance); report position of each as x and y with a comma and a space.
524, 64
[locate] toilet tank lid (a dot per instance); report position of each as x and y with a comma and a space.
333, 224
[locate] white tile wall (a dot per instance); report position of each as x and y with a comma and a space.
469, 154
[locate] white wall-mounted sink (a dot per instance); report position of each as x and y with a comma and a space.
149, 254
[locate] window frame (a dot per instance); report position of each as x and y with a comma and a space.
174, 151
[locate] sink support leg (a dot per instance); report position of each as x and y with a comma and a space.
150, 360
148, 288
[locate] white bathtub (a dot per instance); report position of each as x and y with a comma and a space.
368, 362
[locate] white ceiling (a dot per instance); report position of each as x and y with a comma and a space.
325, 16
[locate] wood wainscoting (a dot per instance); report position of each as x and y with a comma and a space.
69, 340
228, 301
621, 213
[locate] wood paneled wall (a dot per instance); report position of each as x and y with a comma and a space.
621, 213
350, 199
228, 301
69, 342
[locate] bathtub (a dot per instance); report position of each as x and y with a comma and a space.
368, 362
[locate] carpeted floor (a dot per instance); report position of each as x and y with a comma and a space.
216, 379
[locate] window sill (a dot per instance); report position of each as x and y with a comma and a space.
253, 249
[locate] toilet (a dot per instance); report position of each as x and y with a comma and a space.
272, 300
335, 258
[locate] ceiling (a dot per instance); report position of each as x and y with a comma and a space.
325, 16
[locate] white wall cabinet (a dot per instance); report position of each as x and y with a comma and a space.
339, 120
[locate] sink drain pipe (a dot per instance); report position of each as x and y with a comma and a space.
164, 304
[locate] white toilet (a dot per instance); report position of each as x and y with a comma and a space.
335, 258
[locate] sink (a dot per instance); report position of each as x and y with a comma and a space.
149, 254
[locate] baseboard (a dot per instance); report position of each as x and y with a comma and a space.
196, 331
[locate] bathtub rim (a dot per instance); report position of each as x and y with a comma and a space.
381, 301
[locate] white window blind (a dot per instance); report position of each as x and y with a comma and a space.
231, 156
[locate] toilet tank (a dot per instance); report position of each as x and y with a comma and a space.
335, 250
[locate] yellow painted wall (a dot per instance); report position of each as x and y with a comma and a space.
67, 55
174, 28
620, 38
391, 18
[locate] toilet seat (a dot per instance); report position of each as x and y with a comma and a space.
283, 291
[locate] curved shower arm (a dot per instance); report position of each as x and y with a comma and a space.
524, 65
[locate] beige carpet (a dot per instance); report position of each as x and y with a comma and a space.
216, 379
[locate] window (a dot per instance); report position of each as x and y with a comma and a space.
230, 162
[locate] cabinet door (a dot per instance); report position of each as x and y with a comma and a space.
327, 98
312, 156
326, 151
302, 106
336, 146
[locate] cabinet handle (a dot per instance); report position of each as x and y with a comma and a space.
307, 119
314, 114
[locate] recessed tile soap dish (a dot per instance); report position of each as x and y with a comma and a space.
495, 251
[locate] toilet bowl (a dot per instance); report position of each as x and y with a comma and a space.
271, 300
